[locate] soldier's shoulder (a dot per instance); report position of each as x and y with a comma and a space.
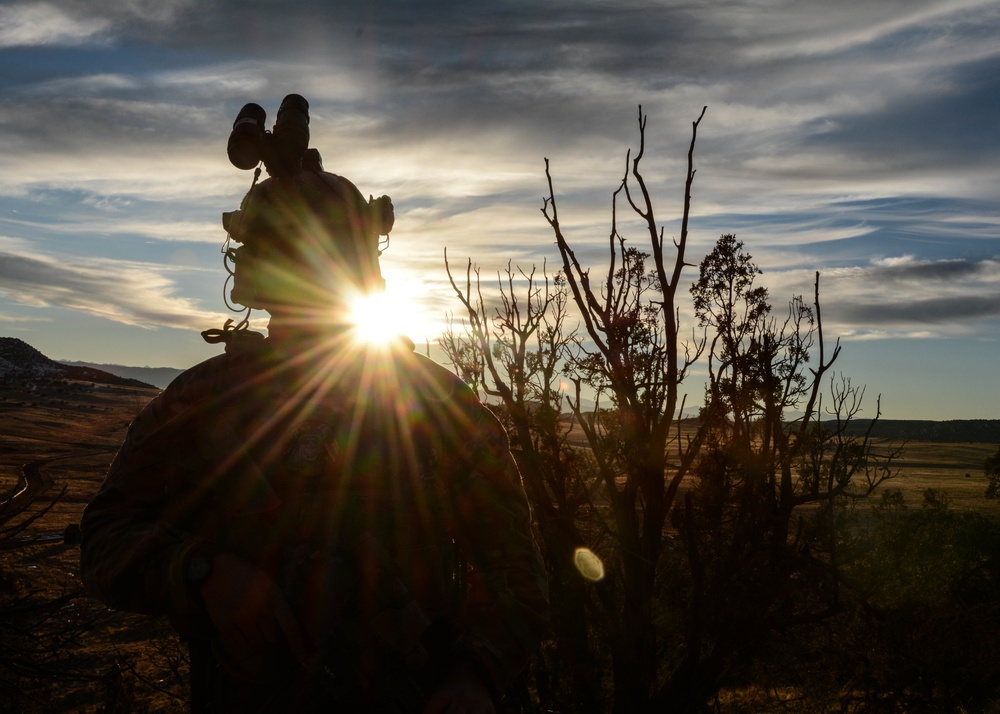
441, 391
215, 372
210, 381
436, 382
206, 370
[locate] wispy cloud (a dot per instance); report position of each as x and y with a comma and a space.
902, 297
21, 320
29, 24
137, 295
930, 311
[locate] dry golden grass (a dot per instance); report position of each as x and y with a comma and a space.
955, 468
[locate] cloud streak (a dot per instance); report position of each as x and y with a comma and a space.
34, 24
136, 296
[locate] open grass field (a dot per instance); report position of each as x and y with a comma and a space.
956, 469
78, 656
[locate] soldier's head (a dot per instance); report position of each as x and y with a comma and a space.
310, 240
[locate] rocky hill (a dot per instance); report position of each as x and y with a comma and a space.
20, 362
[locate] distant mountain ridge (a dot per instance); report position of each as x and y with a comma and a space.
20, 362
157, 376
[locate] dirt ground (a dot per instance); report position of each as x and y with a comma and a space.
61, 651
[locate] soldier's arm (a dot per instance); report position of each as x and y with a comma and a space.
131, 557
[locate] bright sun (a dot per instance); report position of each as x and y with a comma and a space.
378, 318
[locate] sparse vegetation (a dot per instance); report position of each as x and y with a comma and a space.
120, 662
992, 471
733, 548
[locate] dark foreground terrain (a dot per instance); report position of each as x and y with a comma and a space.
61, 651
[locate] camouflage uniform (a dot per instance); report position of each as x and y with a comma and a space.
373, 487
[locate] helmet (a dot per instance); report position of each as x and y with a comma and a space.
308, 240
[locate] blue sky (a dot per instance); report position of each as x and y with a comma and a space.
859, 139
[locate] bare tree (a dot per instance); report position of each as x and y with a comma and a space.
515, 350
635, 359
689, 578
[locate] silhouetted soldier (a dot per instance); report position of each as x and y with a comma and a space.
330, 526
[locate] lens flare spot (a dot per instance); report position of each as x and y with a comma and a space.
588, 564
